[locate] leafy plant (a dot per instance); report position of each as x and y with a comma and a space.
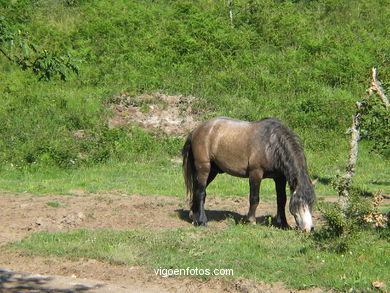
376, 126
342, 226
46, 65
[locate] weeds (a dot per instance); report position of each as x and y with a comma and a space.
343, 227
20, 51
53, 204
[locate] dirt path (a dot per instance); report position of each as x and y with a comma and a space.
22, 214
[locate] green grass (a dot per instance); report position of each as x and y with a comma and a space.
165, 177
53, 204
258, 253
370, 166
137, 178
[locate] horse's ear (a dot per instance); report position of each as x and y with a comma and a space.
314, 182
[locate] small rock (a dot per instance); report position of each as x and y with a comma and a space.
378, 284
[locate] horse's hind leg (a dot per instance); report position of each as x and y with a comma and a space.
214, 171
280, 184
255, 177
200, 184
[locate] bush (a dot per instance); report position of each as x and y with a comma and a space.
375, 126
342, 227
130, 143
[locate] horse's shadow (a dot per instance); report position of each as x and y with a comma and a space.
222, 215
11, 281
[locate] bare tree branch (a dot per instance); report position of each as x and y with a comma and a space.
230, 4
377, 88
344, 181
346, 178
6, 56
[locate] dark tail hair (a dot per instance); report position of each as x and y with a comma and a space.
188, 168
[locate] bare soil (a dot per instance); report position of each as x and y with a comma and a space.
156, 112
24, 213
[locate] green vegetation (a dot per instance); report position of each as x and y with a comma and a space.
25, 55
305, 62
260, 253
53, 204
161, 176
344, 224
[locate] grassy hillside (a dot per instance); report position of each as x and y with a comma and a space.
305, 62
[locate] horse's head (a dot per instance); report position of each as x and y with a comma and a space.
302, 215
301, 206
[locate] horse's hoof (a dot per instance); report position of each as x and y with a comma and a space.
251, 220
196, 224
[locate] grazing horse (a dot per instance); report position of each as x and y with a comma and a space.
254, 150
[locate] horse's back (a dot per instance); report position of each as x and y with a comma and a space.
221, 130
234, 130
227, 142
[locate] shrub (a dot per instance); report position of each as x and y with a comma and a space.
342, 226
375, 126
126, 144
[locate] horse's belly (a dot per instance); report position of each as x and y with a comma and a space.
232, 164
233, 170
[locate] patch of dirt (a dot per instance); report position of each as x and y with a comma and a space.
174, 115
24, 213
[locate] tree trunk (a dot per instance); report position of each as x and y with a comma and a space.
345, 181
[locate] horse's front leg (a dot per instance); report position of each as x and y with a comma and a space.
280, 185
254, 185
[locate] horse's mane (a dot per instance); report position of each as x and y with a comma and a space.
287, 154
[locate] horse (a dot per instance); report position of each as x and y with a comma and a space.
255, 150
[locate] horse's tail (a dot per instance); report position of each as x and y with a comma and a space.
188, 168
